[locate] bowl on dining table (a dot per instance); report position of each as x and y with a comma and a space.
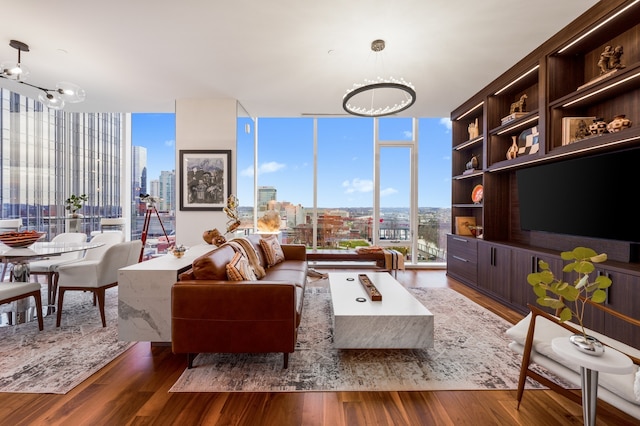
20, 238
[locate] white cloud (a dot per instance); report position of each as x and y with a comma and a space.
446, 122
357, 185
269, 167
408, 134
170, 143
387, 192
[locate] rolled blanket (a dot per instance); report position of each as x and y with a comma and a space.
245, 247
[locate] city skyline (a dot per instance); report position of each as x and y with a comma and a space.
344, 179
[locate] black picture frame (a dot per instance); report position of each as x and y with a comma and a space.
205, 179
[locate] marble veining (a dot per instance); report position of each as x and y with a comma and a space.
144, 292
398, 321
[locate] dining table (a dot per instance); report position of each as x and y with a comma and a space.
20, 257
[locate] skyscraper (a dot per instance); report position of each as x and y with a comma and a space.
266, 194
139, 171
166, 190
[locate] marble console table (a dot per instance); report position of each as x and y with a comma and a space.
144, 296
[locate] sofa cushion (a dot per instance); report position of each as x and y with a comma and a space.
299, 278
272, 250
239, 269
213, 265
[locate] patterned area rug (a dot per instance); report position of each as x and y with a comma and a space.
470, 352
56, 360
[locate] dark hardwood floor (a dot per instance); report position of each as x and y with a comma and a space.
133, 390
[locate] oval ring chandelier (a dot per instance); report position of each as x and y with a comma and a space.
380, 97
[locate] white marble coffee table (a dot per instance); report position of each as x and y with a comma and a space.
399, 321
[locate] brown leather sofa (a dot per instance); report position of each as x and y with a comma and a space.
210, 314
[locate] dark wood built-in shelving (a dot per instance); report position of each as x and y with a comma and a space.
561, 79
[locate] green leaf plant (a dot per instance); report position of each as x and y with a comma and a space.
569, 299
74, 202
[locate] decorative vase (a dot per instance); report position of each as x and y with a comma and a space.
620, 122
598, 127
512, 152
587, 344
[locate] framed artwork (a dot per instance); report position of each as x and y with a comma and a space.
575, 129
205, 179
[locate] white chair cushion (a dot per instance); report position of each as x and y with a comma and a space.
10, 290
621, 384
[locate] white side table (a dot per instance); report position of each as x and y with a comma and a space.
611, 361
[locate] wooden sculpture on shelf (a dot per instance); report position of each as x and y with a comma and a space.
610, 59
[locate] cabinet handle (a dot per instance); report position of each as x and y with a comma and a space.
534, 264
493, 256
460, 259
462, 240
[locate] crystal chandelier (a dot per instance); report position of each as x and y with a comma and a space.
379, 97
52, 98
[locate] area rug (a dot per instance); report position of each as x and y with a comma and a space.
470, 352
56, 360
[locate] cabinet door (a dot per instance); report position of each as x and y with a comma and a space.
524, 263
494, 268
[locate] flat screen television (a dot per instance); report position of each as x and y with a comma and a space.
590, 196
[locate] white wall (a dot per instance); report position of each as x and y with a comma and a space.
203, 124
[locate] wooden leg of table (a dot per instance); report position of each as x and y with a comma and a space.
589, 380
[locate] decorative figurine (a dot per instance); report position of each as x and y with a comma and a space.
473, 130
213, 236
610, 59
231, 210
519, 105
472, 164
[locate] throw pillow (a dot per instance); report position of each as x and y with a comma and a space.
246, 247
272, 250
239, 269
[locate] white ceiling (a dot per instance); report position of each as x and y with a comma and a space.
279, 58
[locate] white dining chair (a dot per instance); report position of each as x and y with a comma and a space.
12, 291
48, 267
10, 225
108, 239
96, 275
111, 224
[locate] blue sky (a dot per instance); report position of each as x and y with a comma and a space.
345, 165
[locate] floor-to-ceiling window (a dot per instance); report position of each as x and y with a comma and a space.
320, 173
48, 155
